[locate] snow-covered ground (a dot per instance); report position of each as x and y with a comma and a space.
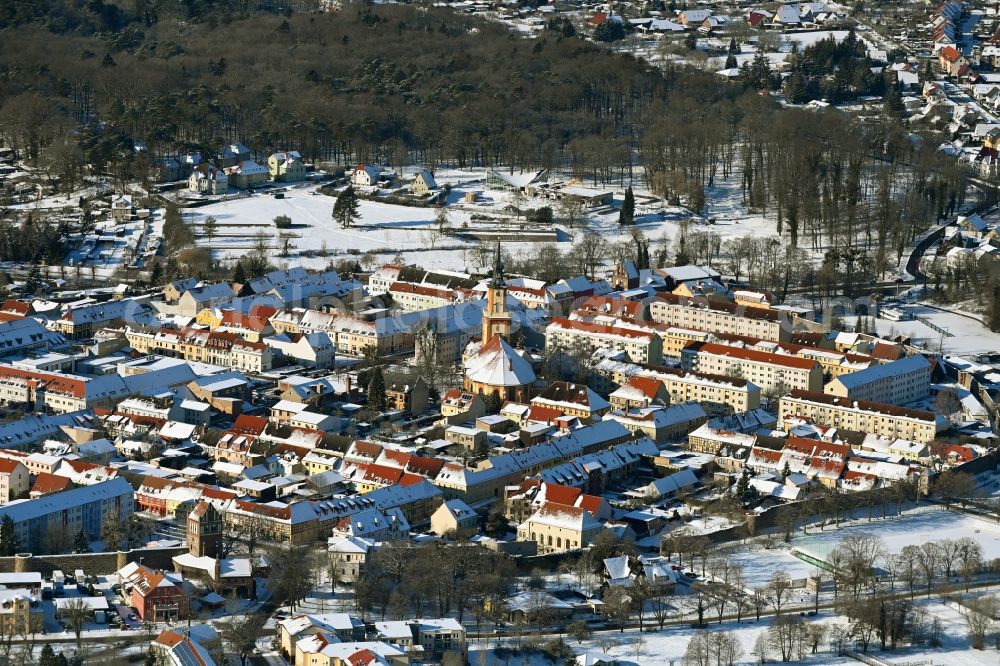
387, 229
967, 335
660, 648
802, 39
912, 528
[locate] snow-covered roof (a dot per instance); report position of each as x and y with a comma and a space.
498, 364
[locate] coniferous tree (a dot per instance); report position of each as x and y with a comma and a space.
34, 283
210, 227
156, 274
239, 273
81, 544
48, 656
10, 543
626, 216
892, 101
345, 209
376, 390
744, 491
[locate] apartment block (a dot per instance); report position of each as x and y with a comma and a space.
898, 383
720, 317
876, 418
766, 370
639, 346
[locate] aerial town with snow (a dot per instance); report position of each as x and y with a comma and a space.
665, 386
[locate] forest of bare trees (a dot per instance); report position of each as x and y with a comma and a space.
406, 85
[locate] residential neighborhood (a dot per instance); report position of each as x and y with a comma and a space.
480, 333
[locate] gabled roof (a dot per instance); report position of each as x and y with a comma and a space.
46, 484
578, 395
498, 364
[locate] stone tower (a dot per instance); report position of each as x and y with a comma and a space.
496, 319
204, 530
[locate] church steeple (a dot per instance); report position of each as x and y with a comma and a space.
497, 281
496, 319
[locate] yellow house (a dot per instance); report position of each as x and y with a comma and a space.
557, 528
209, 317
286, 166
423, 183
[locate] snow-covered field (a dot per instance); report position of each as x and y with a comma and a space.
387, 229
912, 528
967, 334
660, 648
802, 39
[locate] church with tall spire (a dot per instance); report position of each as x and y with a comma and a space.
496, 318
497, 368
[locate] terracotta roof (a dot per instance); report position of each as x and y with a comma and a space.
240, 320
246, 424
7, 466
591, 503
46, 484
407, 479
365, 448
398, 457
950, 53
815, 447
619, 307
886, 351
558, 494
747, 311
16, 306
543, 414
362, 658
428, 467
696, 346
648, 386
383, 474
263, 311
601, 329
864, 405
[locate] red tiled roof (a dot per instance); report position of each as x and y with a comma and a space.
383, 474
246, 424
591, 503
950, 53
7, 466
407, 479
749, 355
46, 484
559, 494
15, 306
428, 467
240, 320
543, 414
886, 351
590, 327
263, 311
363, 657
815, 447
395, 456
367, 449
648, 386
619, 307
